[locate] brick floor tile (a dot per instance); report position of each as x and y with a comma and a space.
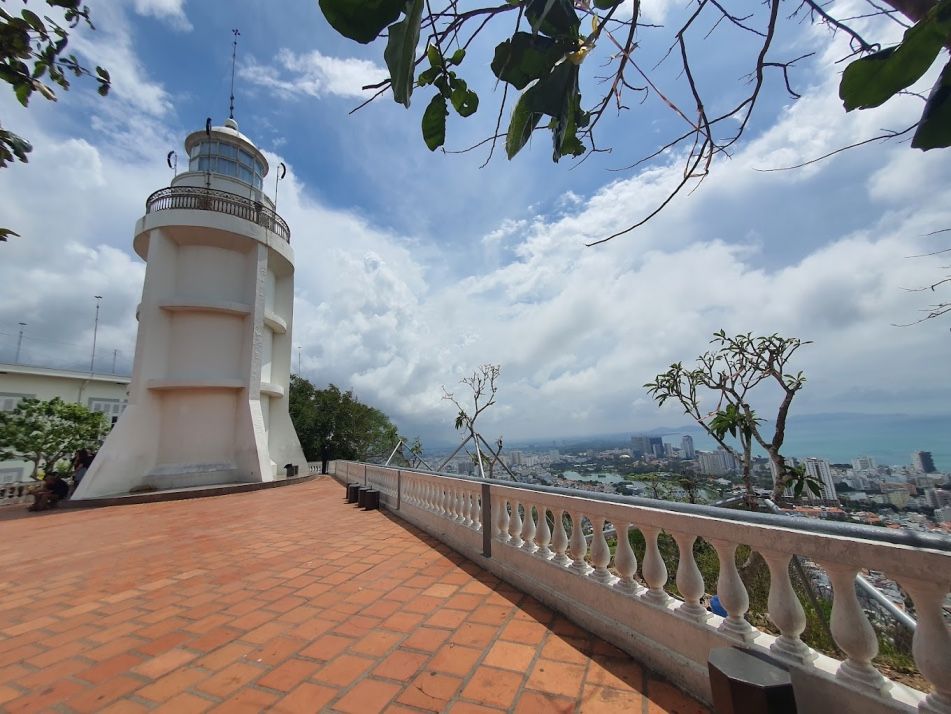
402, 622
615, 673
450, 619
327, 647
164, 663
564, 649
509, 655
427, 639
306, 698
164, 643
343, 670
113, 648
474, 635
556, 678
470, 708
496, 687
171, 684
400, 665
124, 706
455, 659
664, 698
532, 702
430, 691
231, 678
248, 701
58, 654
184, 703
213, 639
223, 656
95, 699
288, 675
370, 695
603, 700
275, 651
110, 668
57, 692
491, 614
8, 693
376, 643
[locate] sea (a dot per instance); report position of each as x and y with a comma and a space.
890, 439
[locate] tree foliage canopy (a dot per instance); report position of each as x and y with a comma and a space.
43, 432
332, 424
548, 40
33, 49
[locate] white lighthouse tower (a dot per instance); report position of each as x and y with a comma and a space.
208, 402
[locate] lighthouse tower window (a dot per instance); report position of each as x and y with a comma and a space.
227, 160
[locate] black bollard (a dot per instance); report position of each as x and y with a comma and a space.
748, 682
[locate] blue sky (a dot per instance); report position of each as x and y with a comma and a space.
414, 267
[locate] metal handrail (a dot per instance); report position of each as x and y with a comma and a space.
197, 198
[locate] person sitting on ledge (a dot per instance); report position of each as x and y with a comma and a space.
53, 490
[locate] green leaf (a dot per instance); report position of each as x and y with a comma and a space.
465, 101
457, 57
432, 53
555, 18
434, 124
428, 76
35, 22
523, 123
934, 129
400, 52
23, 90
872, 80
607, 4
103, 74
361, 20
526, 57
6, 233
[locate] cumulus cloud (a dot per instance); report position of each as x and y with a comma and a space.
313, 74
171, 11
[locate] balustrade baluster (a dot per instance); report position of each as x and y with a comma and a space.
625, 562
852, 631
600, 553
528, 531
931, 646
515, 526
477, 512
560, 539
503, 519
653, 569
732, 593
689, 580
579, 545
456, 504
464, 517
785, 610
543, 534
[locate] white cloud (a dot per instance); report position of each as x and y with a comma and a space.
171, 11
314, 74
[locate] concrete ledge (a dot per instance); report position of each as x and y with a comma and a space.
183, 494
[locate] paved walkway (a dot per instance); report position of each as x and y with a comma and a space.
287, 600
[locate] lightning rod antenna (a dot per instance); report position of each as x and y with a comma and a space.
234, 53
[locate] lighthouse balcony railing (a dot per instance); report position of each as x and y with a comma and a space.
196, 198
573, 551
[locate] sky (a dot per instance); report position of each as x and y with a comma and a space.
415, 267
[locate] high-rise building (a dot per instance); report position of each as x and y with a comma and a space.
864, 463
210, 378
686, 447
821, 470
923, 461
717, 463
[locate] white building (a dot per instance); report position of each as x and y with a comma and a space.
717, 463
686, 447
208, 398
106, 393
864, 463
821, 470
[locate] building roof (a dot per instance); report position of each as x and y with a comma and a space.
33, 371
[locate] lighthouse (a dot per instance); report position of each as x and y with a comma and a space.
208, 401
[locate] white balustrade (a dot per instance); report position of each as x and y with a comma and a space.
785, 610
625, 562
600, 553
732, 593
531, 523
689, 580
852, 631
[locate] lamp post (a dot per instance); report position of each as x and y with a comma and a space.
298, 360
16, 359
95, 333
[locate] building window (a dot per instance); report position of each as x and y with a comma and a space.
9, 401
112, 408
11, 476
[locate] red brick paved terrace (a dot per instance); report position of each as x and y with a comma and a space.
285, 599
